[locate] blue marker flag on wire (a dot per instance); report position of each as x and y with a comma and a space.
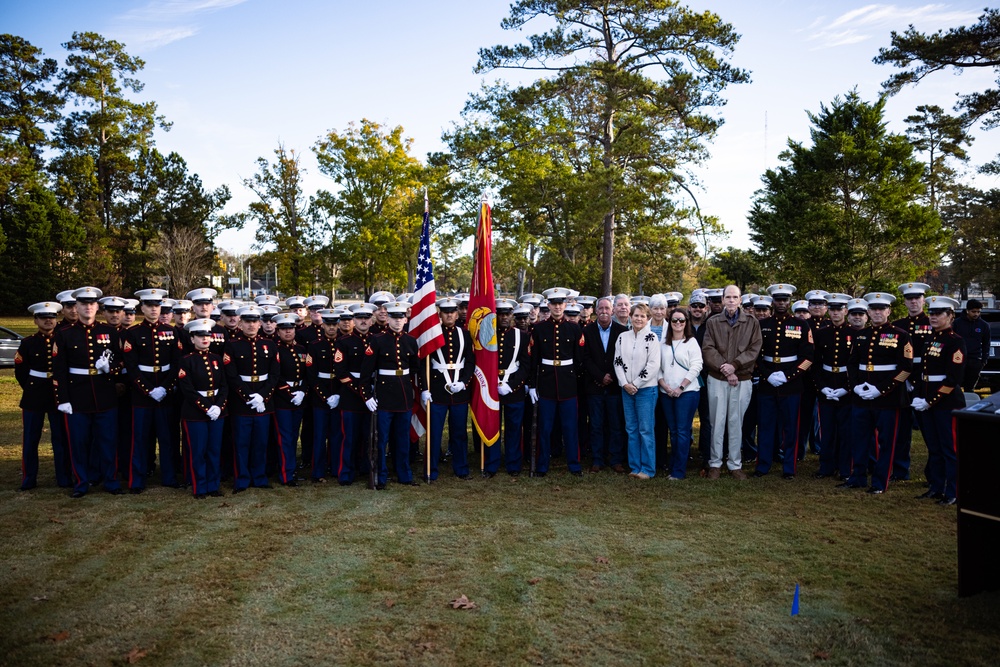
795, 602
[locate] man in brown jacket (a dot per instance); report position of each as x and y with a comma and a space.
732, 343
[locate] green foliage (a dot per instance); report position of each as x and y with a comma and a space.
843, 214
939, 137
627, 106
739, 267
973, 216
285, 220
376, 213
26, 101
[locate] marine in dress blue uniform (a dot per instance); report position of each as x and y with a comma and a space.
917, 324
394, 369
829, 378
880, 364
325, 392
815, 315
452, 368
33, 372
355, 390
86, 358
938, 391
556, 352
150, 352
201, 382
514, 366
289, 394
785, 359
252, 374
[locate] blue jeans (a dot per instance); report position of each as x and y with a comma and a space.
640, 413
679, 413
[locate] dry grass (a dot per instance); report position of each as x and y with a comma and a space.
593, 571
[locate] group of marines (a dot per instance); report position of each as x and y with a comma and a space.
230, 390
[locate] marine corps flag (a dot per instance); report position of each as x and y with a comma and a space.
482, 320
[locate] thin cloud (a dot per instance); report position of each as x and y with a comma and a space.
162, 22
876, 21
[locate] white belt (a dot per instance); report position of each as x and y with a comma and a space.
935, 378
254, 378
208, 394
83, 371
39, 374
398, 371
154, 369
834, 369
324, 376
877, 367
294, 384
356, 376
557, 362
780, 360
437, 365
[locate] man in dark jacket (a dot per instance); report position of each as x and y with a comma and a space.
601, 391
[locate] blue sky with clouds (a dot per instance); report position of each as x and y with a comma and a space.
238, 76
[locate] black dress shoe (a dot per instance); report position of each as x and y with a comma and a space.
540, 474
821, 475
462, 476
514, 473
947, 501
576, 473
345, 482
415, 482
136, 490
291, 482
847, 485
758, 473
787, 475
172, 486
380, 487
875, 492
117, 492
235, 491
265, 486
78, 494
487, 474
200, 496
216, 494
930, 495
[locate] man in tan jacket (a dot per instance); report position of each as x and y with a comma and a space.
732, 343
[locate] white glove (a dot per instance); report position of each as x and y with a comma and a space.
371, 404
425, 396
298, 397
213, 412
504, 389
861, 389
920, 404
871, 393
777, 378
102, 365
839, 394
909, 386
256, 402
457, 387
157, 394
826, 391
333, 401
66, 407
533, 393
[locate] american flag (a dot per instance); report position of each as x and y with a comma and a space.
425, 325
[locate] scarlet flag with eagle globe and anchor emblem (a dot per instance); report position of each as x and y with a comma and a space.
482, 321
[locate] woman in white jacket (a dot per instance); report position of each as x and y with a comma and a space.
680, 367
637, 363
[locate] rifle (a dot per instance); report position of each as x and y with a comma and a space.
372, 443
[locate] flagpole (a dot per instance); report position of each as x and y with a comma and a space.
482, 441
427, 370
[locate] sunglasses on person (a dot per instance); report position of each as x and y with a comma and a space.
698, 305
677, 320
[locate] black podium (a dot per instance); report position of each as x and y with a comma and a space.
977, 430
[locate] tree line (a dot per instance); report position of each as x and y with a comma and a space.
590, 168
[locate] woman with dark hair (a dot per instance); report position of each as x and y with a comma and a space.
637, 358
680, 372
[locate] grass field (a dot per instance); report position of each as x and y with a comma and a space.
603, 570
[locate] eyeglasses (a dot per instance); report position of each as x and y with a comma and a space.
677, 321
698, 305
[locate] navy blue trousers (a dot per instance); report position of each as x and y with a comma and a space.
883, 424
250, 449
33, 422
286, 430
99, 431
549, 411
147, 422
328, 440
203, 440
394, 429
938, 427
779, 427
458, 437
607, 429
835, 437
513, 436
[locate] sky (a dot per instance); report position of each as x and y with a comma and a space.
238, 77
